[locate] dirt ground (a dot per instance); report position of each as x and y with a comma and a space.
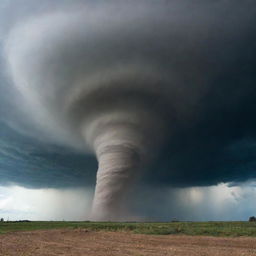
93, 243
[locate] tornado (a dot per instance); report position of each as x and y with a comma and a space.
119, 79
80, 88
123, 141
120, 159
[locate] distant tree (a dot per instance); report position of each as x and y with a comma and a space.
252, 219
2, 220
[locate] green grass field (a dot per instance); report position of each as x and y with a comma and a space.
186, 228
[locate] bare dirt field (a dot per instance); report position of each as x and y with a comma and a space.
98, 243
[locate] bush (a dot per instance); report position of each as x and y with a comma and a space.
252, 219
2, 220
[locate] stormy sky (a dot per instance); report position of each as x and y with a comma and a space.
187, 66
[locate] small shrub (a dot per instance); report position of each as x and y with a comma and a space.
252, 219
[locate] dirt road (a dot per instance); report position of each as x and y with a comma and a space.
83, 243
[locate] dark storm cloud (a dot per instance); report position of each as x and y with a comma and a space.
26, 162
209, 50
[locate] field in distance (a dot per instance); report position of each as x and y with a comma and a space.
231, 229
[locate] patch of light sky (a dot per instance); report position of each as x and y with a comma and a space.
221, 202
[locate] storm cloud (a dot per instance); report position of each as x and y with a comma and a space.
175, 79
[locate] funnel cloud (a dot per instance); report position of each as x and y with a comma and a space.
111, 112
142, 87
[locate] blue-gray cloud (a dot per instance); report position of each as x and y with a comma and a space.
27, 162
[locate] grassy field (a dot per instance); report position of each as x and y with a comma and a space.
186, 228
